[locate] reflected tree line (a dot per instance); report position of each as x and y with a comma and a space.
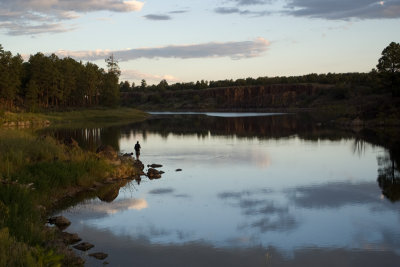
389, 177
88, 138
303, 126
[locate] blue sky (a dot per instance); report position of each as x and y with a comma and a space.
190, 40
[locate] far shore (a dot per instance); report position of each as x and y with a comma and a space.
75, 118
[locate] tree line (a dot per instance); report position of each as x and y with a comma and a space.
50, 82
330, 78
385, 77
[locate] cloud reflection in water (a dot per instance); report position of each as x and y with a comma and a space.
99, 209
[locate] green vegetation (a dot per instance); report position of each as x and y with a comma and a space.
95, 117
389, 67
37, 170
15, 253
48, 82
371, 97
34, 172
382, 79
76, 118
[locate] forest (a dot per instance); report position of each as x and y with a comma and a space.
47, 82
384, 78
50, 82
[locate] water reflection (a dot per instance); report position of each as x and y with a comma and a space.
143, 252
284, 191
265, 214
100, 209
111, 192
88, 138
268, 127
389, 177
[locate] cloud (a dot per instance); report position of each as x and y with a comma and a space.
161, 191
31, 17
267, 224
227, 10
137, 75
247, 12
250, 2
235, 10
324, 9
178, 11
157, 17
101, 209
50, 6
234, 50
344, 9
334, 195
264, 214
22, 29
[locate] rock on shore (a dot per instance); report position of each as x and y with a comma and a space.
84, 246
59, 221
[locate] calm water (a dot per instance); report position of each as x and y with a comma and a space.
253, 191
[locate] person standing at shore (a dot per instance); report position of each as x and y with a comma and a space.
137, 150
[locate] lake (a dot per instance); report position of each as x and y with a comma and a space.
253, 190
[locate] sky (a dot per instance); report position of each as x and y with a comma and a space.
184, 41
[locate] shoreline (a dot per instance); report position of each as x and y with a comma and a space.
338, 114
65, 242
40, 174
76, 118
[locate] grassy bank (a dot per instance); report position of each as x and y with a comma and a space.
75, 118
33, 173
36, 172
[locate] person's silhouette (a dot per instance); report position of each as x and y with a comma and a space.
137, 150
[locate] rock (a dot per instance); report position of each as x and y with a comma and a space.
153, 174
138, 164
99, 255
84, 246
106, 263
155, 165
59, 221
178, 170
69, 238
